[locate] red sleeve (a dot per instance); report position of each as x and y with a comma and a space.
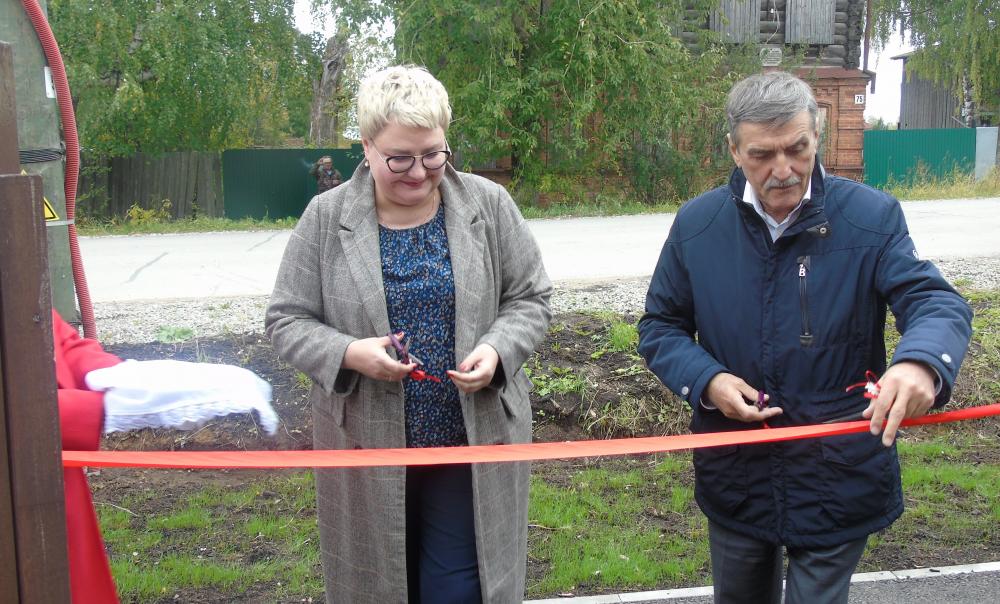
81, 355
81, 419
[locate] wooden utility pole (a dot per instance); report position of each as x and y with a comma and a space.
33, 554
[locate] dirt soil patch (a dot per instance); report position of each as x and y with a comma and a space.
584, 389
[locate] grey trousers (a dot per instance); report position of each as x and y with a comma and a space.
745, 570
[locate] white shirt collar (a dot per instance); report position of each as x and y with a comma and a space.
773, 226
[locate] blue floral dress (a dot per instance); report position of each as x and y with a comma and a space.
420, 298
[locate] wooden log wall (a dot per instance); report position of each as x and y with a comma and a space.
787, 23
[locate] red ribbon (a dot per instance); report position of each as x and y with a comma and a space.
356, 458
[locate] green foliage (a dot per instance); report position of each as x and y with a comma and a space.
558, 380
634, 414
144, 216
921, 184
190, 518
623, 336
567, 87
258, 537
982, 364
615, 528
961, 42
153, 221
879, 124
303, 381
171, 334
164, 75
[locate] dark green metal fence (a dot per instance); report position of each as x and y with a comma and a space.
275, 183
901, 155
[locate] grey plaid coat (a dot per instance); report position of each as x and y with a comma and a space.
329, 292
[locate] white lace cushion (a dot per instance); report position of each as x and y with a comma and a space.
178, 394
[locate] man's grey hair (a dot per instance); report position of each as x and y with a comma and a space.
406, 94
773, 99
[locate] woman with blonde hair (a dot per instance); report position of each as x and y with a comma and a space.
411, 295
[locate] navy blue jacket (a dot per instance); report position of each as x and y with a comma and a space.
800, 318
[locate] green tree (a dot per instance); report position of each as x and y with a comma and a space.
165, 75
568, 87
961, 46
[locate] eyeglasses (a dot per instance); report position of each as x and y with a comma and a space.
435, 160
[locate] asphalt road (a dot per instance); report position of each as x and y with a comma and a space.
202, 265
970, 584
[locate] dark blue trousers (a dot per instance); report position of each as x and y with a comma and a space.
441, 562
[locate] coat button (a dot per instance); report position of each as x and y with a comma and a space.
685, 391
946, 358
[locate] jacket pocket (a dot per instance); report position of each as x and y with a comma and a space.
859, 474
330, 406
514, 395
721, 477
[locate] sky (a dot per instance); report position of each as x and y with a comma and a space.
883, 103
304, 21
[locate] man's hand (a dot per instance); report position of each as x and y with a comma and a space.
368, 356
905, 390
476, 371
736, 399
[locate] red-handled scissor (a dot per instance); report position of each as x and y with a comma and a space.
402, 350
872, 388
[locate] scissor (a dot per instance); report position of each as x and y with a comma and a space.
402, 350
872, 388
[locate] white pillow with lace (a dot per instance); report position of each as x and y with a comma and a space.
178, 394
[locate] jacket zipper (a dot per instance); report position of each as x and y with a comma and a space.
806, 337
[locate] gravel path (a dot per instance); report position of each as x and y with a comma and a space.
139, 322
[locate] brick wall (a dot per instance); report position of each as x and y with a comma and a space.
843, 138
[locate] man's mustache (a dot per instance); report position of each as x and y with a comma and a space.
775, 183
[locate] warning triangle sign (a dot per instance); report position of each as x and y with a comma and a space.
50, 214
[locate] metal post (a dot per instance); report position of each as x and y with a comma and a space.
33, 554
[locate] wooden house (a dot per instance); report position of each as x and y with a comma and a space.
924, 104
821, 41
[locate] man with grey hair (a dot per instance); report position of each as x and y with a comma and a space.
768, 302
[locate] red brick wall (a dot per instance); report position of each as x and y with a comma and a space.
843, 145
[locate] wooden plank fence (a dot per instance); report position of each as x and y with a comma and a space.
190, 180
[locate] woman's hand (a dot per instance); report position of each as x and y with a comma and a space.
476, 371
368, 357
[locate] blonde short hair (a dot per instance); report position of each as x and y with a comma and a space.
406, 94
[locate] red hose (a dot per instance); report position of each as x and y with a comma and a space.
54, 58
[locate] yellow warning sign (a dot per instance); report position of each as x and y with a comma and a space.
50, 214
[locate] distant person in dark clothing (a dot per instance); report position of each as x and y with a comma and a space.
327, 177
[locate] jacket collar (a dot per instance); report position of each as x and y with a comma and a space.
812, 213
360, 210
359, 237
